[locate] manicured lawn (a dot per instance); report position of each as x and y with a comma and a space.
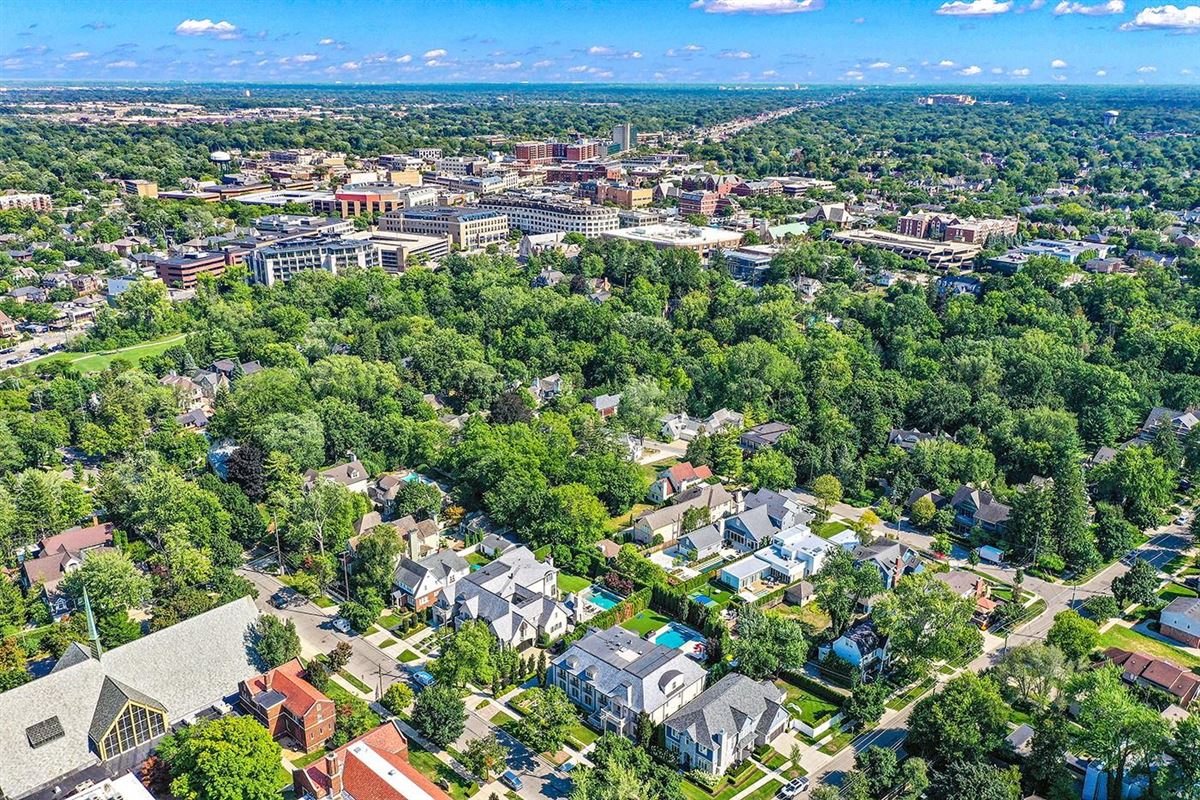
407, 656
353, 681
715, 592
622, 521
765, 791
774, 759
725, 790
389, 620
1173, 590
311, 758
321, 601
1127, 639
831, 528
386, 643
437, 771
97, 362
580, 736
904, 698
521, 701
502, 719
806, 706
572, 583
645, 622
838, 743
478, 559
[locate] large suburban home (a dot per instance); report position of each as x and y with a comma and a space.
548, 388
353, 475
979, 508
685, 427
374, 766
892, 559
418, 583
421, 538
516, 595
1140, 669
92, 717
384, 490
668, 522
1181, 422
861, 645
702, 542
189, 392
908, 440
969, 585
606, 405
762, 436
793, 554
289, 706
1180, 620
675, 479
752, 529
726, 723
61, 554
615, 676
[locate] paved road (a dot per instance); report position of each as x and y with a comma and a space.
540, 778
369, 664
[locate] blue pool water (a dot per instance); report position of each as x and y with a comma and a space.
704, 600
676, 637
602, 598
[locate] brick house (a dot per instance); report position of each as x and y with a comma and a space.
374, 766
1180, 620
288, 705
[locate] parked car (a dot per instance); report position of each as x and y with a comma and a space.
1182, 518
284, 598
794, 788
342, 624
510, 779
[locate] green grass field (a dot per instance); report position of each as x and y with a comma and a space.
572, 583
645, 622
831, 528
98, 362
724, 790
1127, 639
407, 656
806, 706
1173, 590
437, 770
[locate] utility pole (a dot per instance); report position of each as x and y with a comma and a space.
379, 678
278, 546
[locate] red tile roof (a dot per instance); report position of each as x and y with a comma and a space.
359, 780
288, 680
76, 539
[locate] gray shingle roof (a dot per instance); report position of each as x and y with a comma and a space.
728, 706
212, 646
113, 697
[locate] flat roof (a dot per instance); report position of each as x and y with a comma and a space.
676, 235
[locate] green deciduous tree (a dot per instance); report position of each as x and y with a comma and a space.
485, 757
767, 643
439, 714
925, 621
1073, 635
113, 583
231, 758
839, 586
275, 641
967, 720
550, 718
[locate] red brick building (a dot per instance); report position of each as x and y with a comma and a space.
372, 767
703, 203
288, 705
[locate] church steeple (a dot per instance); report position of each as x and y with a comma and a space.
93, 634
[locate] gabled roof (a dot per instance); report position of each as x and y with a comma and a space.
114, 695
287, 681
864, 635
987, 507
1163, 674
730, 706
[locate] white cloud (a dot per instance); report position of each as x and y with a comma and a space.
599, 50
545, 62
1185, 71
578, 68
1147, 70
438, 53
946, 63
1060, 78
634, 54
509, 65
1020, 72
305, 58
1168, 17
736, 54
82, 54
1058, 63
351, 65
235, 62
853, 74
1100, 73
1097, 10
997, 70
758, 6
206, 27
404, 59
901, 70
692, 48
769, 73
123, 64
971, 70
973, 8
1034, 5
879, 65
859, 20
326, 42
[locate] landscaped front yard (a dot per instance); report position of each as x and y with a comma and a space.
1127, 639
1173, 590
437, 771
805, 706
718, 594
725, 790
832, 528
645, 622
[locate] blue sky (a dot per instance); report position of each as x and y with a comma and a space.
627, 41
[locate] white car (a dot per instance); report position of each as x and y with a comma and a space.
794, 788
341, 624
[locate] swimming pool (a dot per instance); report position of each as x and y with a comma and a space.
601, 597
704, 600
678, 638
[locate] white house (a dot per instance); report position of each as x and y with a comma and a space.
793, 554
861, 645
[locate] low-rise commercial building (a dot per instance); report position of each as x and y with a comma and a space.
701, 241
939, 255
182, 271
374, 198
397, 250
281, 262
31, 200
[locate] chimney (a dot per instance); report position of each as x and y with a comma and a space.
897, 570
269, 679
980, 588
333, 768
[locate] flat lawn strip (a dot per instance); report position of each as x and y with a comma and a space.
1173, 590
775, 760
765, 791
407, 656
283, 777
311, 758
572, 583
478, 559
388, 620
521, 702
645, 621
906, 697
831, 528
1128, 639
805, 706
437, 771
622, 521
838, 742
386, 643
353, 681
504, 721
321, 601
97, 362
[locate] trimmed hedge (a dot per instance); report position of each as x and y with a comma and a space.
815, 688
625, 610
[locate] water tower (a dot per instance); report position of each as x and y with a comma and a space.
1110, 118
222, 159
